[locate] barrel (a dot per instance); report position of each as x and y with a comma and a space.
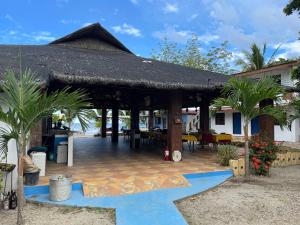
60, 187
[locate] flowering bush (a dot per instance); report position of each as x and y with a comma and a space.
262, 153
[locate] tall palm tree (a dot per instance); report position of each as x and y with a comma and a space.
27, 105
244, 95
256, 58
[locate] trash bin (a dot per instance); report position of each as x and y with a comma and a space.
60, 188
39, 159
32, 178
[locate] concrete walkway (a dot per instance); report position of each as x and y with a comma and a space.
146, 208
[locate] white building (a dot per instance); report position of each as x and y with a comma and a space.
231, 122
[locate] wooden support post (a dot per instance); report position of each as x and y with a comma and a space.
150, 120
134, 127
115, 125
204, 117
175, 121
266, 122
36, 135
103, 122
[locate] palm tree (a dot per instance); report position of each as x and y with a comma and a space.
83, 115
27, 105
244, 95
256, 59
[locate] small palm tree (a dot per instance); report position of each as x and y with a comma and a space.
27, 105
244, 95
256, 59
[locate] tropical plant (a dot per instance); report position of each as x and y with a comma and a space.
263, 153
27, 105
256, 58
216, 59
292, 6
82, 114
244, 95
226, 153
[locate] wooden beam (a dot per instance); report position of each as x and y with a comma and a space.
266, 123
175, 121
115, 125
204, 116
103, 123
150, 120
134, 126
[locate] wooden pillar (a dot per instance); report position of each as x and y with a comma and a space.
103, 122
266, 122
134, 126
204, 117
115, 124
150, 120
36, 135
175, 121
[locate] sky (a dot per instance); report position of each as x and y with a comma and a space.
142, 24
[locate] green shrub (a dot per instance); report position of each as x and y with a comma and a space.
1, 181
225, 153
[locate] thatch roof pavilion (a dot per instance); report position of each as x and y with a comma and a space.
94, 59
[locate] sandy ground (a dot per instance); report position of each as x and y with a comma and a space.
49, 215
273, 200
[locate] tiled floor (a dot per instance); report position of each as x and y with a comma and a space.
112, 169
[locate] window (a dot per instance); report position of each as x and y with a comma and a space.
220, 118
277, 78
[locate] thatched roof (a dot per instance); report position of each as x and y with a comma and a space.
93, 56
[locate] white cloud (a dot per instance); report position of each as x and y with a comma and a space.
207, 38
134, 1
69, 21
291, 50
182, 36
41, 36
170, 8
87, 24
170, 32
192, 17
245, 22
9, 17
127, 29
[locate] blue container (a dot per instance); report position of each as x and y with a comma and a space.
57, 139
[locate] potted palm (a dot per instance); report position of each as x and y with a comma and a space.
26, 105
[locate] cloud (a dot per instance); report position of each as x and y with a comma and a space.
69, 21
192, 17
134, 1
245, 22
127, 29
41, 36
182, 36
87, 24
170, 32
9, 17
170, 8
290, 50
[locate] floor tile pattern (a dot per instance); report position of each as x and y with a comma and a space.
112, 169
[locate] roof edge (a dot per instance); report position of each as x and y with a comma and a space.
95, 27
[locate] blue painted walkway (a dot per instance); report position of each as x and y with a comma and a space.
147, 208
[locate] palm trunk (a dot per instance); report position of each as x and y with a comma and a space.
246, 138
20, 191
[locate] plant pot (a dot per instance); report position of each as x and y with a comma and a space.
32, 179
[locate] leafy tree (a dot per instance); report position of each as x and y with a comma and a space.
27, 105
256, 58
216, 59
83, 115
244, 95
292, 6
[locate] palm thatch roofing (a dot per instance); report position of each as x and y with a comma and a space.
92, 56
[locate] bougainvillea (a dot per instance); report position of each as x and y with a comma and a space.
262, 153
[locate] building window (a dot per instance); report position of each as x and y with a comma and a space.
220, 118
277, 78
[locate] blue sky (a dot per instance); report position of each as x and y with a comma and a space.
142, 24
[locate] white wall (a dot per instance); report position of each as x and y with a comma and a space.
11, 158
279, 135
